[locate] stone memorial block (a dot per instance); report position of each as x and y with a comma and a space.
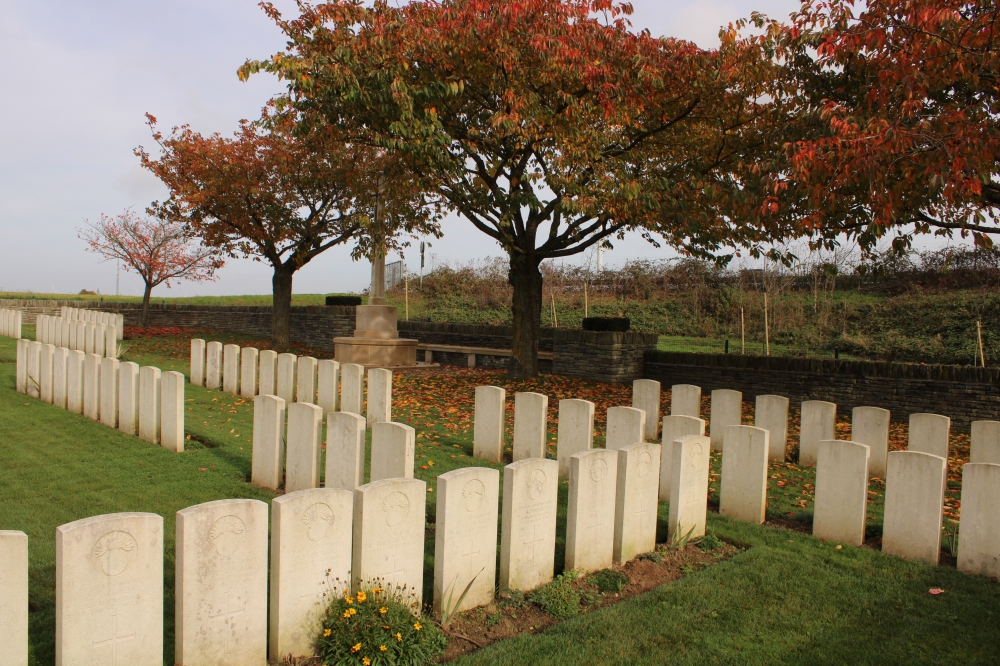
128, 397
928, 433
149, 404
389, 523
914, 500
268, 373
305, 427
109, 392
531, 412
575, 432
268, 457
60, 358
13, 598
818, 424
488, 423
221, 584
345, 450
198, 362
21, 378
979, 530
172, 411
213, 366
328, 373
985, 446
92, 386
81, 336
771, 414
352, 393
727, 410
74, 381
393, 450
625, 426
636, 500
688, 487
305, 380
45, 354
120, 326
379, 396
528, 524
675, 427
743, 494
590, 516
841, 492
65, 327
311, 532
110, 342
286, 377
248, 372
646, 396
109, 590
685, 400
100, 336
870, 426
465, 546
231, 369
33, 376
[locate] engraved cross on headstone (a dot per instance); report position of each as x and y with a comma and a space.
227, 627
394, 569
114, 640
643, 515
320, 585
535, 538
472, 550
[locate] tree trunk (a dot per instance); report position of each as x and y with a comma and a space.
526, 309
144, 315
281, 313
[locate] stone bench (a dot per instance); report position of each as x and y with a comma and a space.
470, 352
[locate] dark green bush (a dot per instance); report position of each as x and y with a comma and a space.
609, 580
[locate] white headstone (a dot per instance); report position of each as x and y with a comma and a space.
488, 423
21, 378
172, 411
531, 412
213, 366
305, 427
914, 500
465, 546
14, 598
286, 377
109, 392
685, 400
841, 492
743, 494
636, 500
221, 584
345, 450
985, 444
625, 426
128, 397
575, 432
248, 372
305, 379
818, 423
92, 386
590, 514
675, 427
646, 396
65, 331
110, 342
149, 404
109, 590
979, 531
311, 532
393, 450
100, 338
33, 376
870, 426
268, 373
389, 523
771, 414
81, 336
528, 530
268, 458
379, 396
727, 410
231, 369
60, 358
327, 376
74, 381
689, 468
45, 372
928, 433
352, 395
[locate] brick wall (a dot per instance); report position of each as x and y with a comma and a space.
616, 358
467, 335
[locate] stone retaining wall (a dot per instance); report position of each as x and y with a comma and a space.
604, 356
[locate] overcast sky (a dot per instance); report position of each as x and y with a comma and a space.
78, 78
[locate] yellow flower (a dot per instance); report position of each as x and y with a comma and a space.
361, 597
356, 648
399, 636
383, 610
366, 661
377, 590
418, 626
382, 648
326, 632
349, 600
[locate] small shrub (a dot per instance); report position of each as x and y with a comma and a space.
709, 542
609, 580
618, 324
651, 556
559, 598
377, 627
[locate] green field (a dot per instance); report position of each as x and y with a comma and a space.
786, 599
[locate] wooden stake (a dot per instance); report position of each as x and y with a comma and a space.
767, 338
743, 334
586, 304
979, 336
555, 320
406, 287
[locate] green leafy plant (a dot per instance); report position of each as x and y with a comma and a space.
449, 607
609, 580
951, 539
379, 625
709, 542
651, 556
680, 541
493, 619
559, 598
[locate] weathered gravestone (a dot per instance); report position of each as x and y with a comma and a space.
985, 444
198, 362
646, 396
743, 493
636, 500
249, 358
352, 394
128, 397
979, 530
305, 428
818, 423
231, 369
311, 532
286, 377
528, 529
345, 450
841, 492
928, 433
60, 358
268, 373
870, 426
389, 522
213, 366
172, 411
92, 386
109, 590
305, 380
685, 400
74, 381
109, 392
328, 374
590, 515
771, 414
21, 376
13, 598
45, 354
625, 426
393, 450
268, 457
575, 432
221, 584
379, 396
914, 500
149, 404
488, 423
688, 487
727, 410
465, 546
531, 412
675, 427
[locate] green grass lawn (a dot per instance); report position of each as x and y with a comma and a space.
787, 598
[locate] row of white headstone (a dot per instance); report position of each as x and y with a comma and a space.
10, 323
247, 372
96, 317
136, 400
86, 336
